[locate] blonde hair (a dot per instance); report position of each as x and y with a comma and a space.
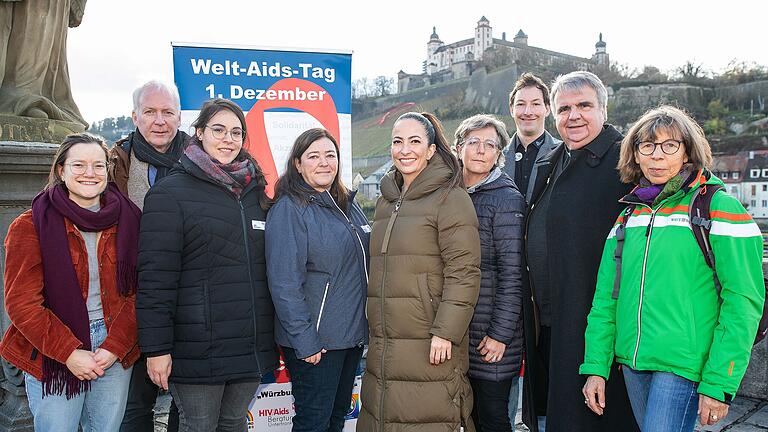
674, 122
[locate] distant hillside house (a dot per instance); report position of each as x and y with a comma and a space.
459, 59
730, 169
755, 184
370, 187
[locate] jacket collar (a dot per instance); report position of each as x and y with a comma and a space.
72, 229
324, 198
490, 178
432, 178
545, 145
499, 182
538, 142
699, 178
603, 142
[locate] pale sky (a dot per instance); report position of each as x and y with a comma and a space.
121, 44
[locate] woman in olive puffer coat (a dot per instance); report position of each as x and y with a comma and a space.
424, 283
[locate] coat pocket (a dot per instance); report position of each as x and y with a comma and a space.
322, 304
426, 297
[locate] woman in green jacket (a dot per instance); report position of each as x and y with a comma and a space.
684, 347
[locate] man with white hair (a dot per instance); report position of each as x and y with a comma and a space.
573, 206
138, 161
148, 153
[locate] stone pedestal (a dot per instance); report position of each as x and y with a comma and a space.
24, 168
31, 130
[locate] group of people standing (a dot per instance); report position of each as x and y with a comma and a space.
183, 275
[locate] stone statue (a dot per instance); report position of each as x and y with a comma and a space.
34, 78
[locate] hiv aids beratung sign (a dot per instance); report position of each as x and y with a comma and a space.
283, 92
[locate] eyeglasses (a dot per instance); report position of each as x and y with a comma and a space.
474, 142
79, 168
219, 132
670, 147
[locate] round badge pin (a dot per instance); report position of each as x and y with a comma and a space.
518, 156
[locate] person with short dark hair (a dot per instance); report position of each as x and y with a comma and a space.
70, 287
528, 148
688, 350
317, 266
204, 312
529, 106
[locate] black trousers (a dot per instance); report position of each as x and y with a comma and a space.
139, 410
490, 412
543, 350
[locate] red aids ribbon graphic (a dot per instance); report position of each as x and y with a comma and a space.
258, 144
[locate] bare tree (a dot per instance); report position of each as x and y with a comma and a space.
360, 88
652, 74
691, 71
617, 72
739, 71
383, 85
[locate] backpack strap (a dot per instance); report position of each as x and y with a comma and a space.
701, 224
620, 236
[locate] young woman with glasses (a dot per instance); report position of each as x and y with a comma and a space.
70, 283
204, 312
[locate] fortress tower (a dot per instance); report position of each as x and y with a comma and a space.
483, 37
432, 46
601, 55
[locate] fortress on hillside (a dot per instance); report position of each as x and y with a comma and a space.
459, 59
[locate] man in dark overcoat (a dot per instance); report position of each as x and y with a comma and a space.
573, 206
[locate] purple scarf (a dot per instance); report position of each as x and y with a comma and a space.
61, 289
648, 193
234, 176
652, 194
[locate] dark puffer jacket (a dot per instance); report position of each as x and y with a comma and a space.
500, 211
203, 293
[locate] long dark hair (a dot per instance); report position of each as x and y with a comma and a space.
210, 109
436, 135
291, 183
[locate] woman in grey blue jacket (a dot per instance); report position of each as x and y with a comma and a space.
317, 267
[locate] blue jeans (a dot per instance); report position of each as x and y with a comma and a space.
662, 401
322, 393
99, 409
213, 407
514, 400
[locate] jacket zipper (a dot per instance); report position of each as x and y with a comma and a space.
322, 305
362, 249
642, 281
250, 279
384, 247
359, 240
